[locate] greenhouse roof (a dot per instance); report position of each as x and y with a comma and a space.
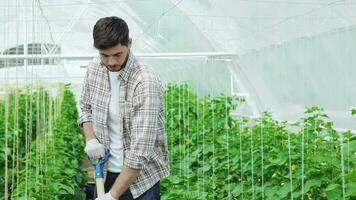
281, 55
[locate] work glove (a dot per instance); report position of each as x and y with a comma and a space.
106, 196
94, 149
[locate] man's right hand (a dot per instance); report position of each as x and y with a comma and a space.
94, 149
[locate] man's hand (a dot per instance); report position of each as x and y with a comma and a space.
94, 149
106, 196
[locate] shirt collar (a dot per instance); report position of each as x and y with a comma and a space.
125, 72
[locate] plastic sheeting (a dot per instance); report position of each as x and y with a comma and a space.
292, 53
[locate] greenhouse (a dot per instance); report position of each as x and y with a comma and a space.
258, 99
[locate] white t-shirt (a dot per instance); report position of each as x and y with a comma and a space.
116, 158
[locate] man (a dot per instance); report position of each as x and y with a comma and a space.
122, 109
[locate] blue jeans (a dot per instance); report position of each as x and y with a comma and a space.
151, 194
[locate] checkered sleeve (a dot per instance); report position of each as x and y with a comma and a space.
147, 102
84, 102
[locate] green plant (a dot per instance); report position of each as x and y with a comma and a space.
215, 156
24, 115
53, 164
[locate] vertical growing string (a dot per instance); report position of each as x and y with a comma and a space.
342, 165
290, 167
180, 130
303, 162
305, 126
53, 118
43, 136
203, 137
12, 126
17, 128
262, 160
171, 110
182, 119
45, 129
50, 132
15, 139
29, 138
212, 107
184, 133
197, 139
40, 137
188, 134
33, 101
165, 100
227, 147
38, 141
7, 106
26, 142
252, 166
241, 171
348, 155
6, 117
17, 135
28, 131
26, 106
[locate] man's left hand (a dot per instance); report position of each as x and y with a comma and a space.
106, 196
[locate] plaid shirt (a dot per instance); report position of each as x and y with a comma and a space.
141, 118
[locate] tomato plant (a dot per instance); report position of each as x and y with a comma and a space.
216, 156
45, 155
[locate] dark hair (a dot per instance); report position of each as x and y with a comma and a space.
109, 32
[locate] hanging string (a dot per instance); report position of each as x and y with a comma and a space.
227, 148
188, 135
214, 132
17, 99
305, 124
7, 106
241, 170
197, 139
303, 161
172, 120
28, 125
290, 167
342, 165
31, 99
203, 137
180, 131
14, 133
262, 160
252, 166
185, 142
348, 155
5, 123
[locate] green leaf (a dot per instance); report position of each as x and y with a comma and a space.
283, 191
333, 191
332, 186
237, 190
205, 168
351, 176
311, 183
174, 179
64, 189
351, 189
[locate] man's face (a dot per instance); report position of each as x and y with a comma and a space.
113, 58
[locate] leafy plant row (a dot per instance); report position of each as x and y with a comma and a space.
216, 156
23, 116
52, 169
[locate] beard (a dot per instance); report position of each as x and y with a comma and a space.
116, 68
